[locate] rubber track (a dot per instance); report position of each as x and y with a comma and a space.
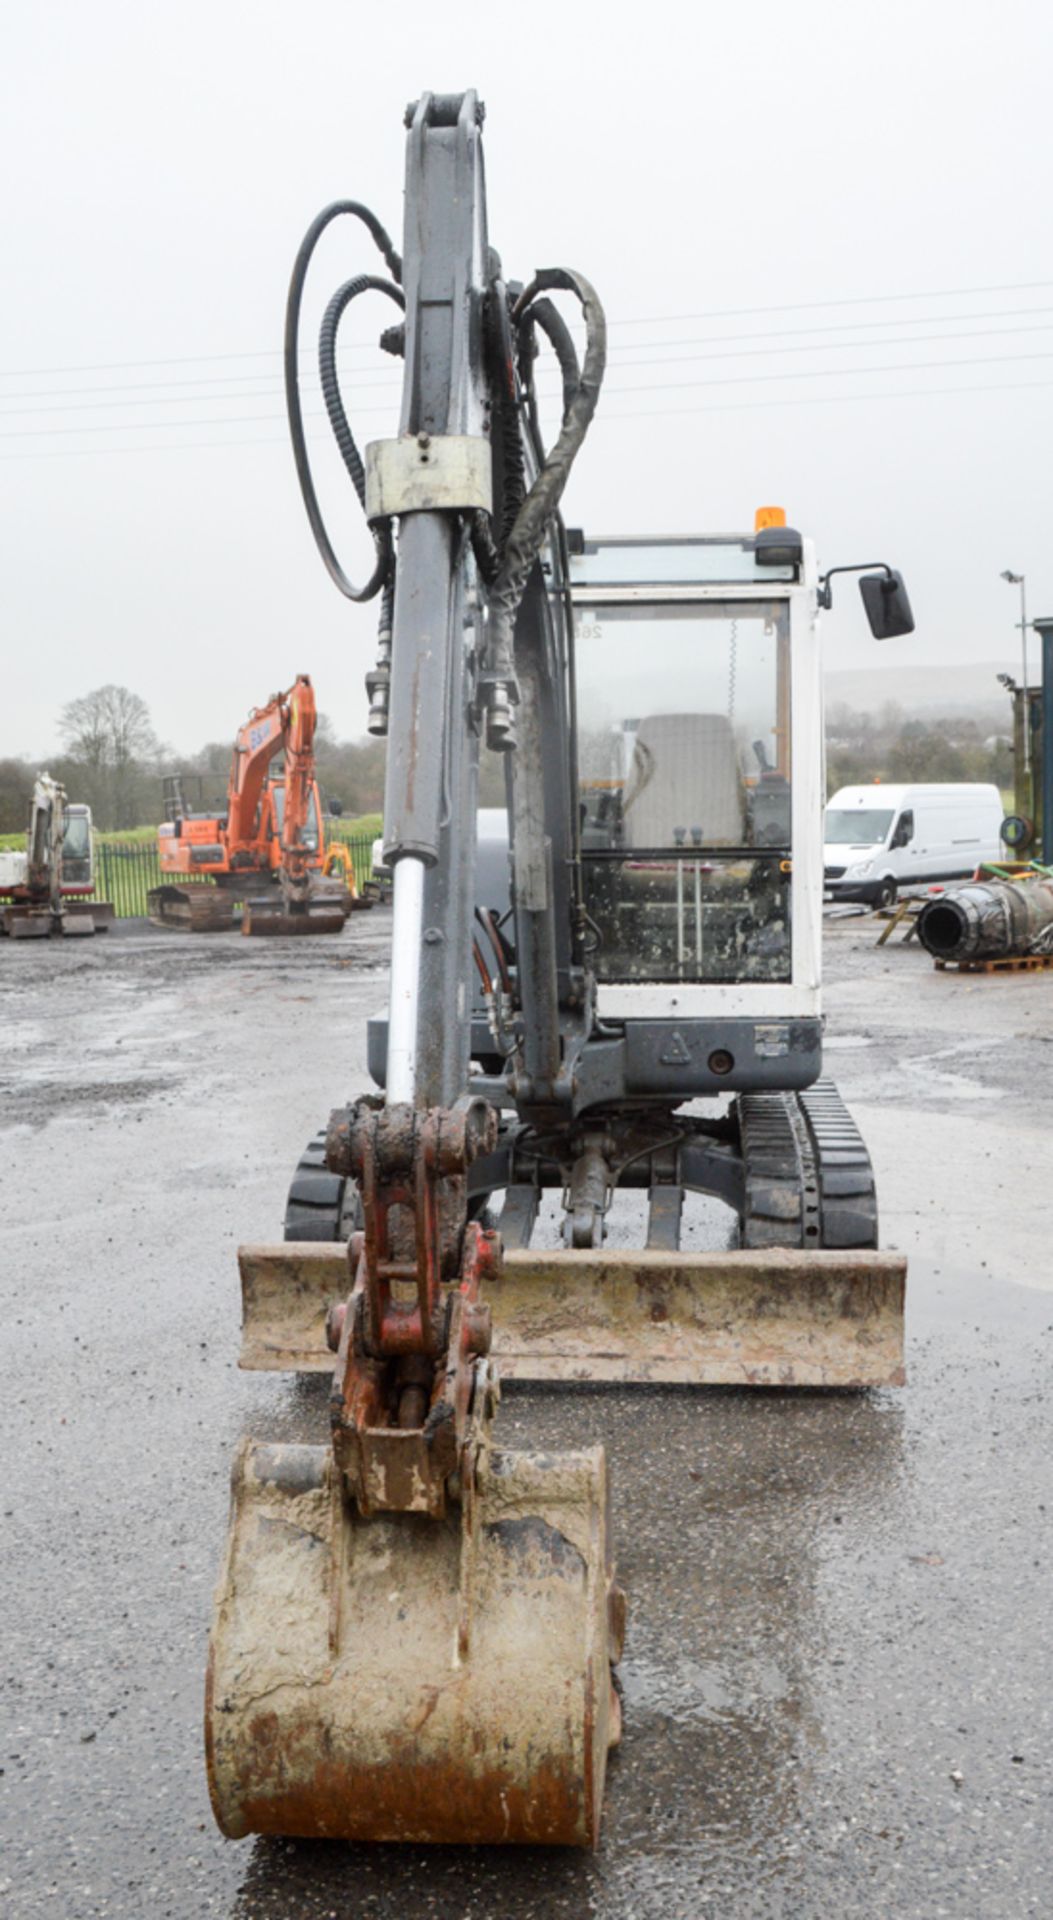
809, 1181
321, 1205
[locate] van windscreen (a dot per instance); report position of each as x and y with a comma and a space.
856, 826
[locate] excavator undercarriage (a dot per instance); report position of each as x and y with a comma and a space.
614, 999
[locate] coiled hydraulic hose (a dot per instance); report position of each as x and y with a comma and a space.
543, 314
581, 393
547, 316
380, 575
488, 537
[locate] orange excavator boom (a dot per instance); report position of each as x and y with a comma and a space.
264, 734
301, 719
308, 903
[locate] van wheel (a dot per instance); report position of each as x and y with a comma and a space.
886, 894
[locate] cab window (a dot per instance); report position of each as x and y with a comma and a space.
904, 832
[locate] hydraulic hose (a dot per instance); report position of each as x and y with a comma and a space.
487, 922
337, 415
581, 393
544, 314
547, 316
488, 537
341, 300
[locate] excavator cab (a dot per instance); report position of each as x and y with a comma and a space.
685, 652
78, 868
310, 836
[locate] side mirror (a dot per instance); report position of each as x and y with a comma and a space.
887, 605
336, 808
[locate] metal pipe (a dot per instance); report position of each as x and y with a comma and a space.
1044, 628
696, 836
407, 927
1020, 580
989, 919
1023, 651
679, 835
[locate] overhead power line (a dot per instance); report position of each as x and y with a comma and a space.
640, 413
857, 300
840, 326
833, 373
634, 346
818, 400
639, 320
66, 404
651, 386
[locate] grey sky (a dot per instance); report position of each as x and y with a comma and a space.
162, 161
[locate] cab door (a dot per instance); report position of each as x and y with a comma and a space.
904, 852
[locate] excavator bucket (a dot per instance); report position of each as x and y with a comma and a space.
768, 1317
324, 910
413, 1679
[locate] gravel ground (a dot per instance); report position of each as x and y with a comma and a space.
837, 1675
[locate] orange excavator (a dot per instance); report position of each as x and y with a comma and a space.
267, 850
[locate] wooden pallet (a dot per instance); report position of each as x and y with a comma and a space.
1003, 963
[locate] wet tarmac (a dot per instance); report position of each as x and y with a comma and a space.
837, 1675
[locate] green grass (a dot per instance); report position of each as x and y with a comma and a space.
361, 826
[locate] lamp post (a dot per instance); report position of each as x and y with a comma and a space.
1044, 629
1020, 580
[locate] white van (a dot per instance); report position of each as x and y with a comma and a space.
880, 838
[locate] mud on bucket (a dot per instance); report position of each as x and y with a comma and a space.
339, 1701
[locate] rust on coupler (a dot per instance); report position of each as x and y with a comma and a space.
402, 1420
413, 1633
411, 1170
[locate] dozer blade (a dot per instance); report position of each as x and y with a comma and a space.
765, 1317
28, 923
271, 918
398, 1678
324, 910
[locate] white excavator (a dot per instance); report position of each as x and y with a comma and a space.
612, 1001
48, 888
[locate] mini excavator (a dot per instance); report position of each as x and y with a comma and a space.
610, 993
49, 888
271, 831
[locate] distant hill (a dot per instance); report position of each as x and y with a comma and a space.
923, 690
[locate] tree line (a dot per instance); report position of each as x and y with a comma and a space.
113, 759
890, 745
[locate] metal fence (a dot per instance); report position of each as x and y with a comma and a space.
126, 871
